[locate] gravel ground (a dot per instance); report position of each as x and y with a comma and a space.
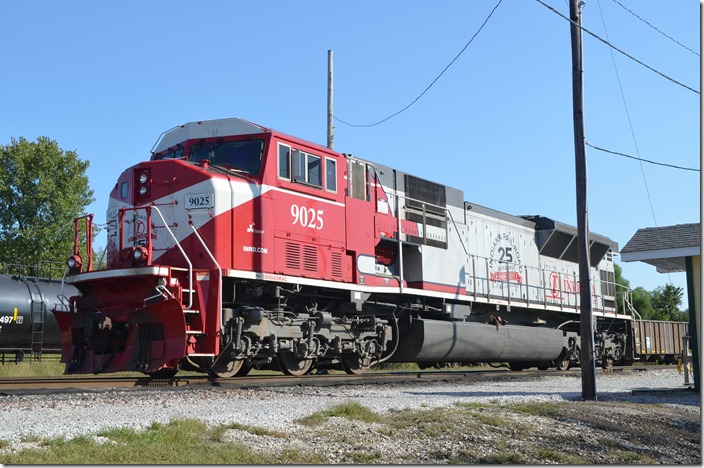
663, 426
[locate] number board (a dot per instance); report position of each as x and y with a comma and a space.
200, 200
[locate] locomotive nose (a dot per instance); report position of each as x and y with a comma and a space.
131, 338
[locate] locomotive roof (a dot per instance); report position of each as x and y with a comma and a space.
558, 240
218, 128
477, 208
207, 129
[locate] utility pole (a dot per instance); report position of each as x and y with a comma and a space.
585, 291
331, 130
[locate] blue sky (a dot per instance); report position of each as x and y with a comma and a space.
107, 78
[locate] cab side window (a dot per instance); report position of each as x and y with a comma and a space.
284, 161
306, 168
331, 174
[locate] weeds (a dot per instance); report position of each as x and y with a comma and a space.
260, 431
349, 410
184, 441
547, 410
551, 456
362, 458
632, 457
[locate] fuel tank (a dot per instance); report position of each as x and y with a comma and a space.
27, 324
435, 340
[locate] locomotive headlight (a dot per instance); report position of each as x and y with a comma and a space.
74, 262
142, 182
140, 255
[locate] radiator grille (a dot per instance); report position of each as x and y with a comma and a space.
310, 258
336, 264
292, 254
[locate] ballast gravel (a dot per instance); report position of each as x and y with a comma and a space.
67, 415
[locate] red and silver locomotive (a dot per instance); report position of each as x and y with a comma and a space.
237, 246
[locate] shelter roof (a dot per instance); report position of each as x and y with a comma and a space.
664, 247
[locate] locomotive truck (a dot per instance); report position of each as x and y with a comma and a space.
237, 247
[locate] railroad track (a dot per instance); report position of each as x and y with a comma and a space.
68, 384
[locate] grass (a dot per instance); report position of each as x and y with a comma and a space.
260, 431
48, 366
463, 457
549, 455
476, 410
431, 422
546, 410
183, 441
349, 410
633, 458
362, 458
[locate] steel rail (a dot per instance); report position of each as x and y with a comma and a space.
68, 384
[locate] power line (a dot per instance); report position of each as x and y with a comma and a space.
618, 50
630, 124
641, 159
431, 84
646, 22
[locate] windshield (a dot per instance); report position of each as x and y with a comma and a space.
245, 155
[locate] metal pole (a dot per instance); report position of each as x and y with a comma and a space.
585, 290
331, 130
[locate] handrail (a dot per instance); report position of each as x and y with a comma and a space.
628, 302
207, 250
452, 218
481, 285
449, 217
89, 238
149, 241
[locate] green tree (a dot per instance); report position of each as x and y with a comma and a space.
622, 285
667, 300
642, 302
42, 188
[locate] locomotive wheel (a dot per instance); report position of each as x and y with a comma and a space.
229, 369
290, 364
352, 363
562, 365
244, 370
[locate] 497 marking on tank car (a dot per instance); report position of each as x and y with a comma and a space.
12, 318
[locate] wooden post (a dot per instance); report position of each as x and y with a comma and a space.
331, 131
585, 290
